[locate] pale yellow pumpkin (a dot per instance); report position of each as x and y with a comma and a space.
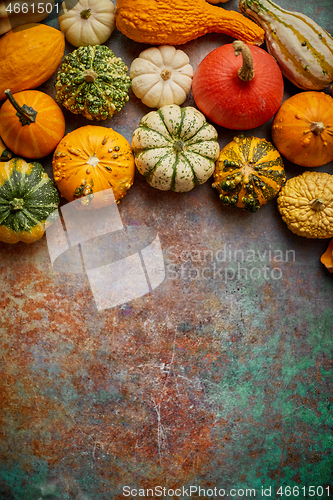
161, 76
87, 22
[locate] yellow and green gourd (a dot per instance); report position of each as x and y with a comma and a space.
27, 198
93, 82
248, 173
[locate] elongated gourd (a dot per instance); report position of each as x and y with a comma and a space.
166, 22
303, 50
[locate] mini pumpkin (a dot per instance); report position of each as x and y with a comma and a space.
27, 198
306, 204
31, 123
249, 173
161, 76
238, 86
302, 129
91, 159
175, 148
87, 22
93, 82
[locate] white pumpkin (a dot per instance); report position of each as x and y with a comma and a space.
161, 76
175, 148
87, 22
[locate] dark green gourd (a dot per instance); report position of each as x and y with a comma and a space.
27, 198
93, 82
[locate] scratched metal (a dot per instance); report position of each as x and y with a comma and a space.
220, 378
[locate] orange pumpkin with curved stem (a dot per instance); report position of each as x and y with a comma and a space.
91, 159
31, 123
302, 129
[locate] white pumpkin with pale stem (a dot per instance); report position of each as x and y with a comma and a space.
175, 148
161, 76
87, 22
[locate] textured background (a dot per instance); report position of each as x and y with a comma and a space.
215, 379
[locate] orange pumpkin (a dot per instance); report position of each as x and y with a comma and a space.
31, 123
302, 129
327, 257
91, 159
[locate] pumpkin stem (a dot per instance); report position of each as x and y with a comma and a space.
85, 14
17, 203
178, 146
317, 204
25, 113
246, 72
317, 127
166, 74
89, 75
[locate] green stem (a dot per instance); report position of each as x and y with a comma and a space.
85, 14
26, 114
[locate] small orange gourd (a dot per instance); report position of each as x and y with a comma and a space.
302, 129
327, 257
166, 22
91, 159
31, 123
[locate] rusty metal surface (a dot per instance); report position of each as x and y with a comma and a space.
219, 378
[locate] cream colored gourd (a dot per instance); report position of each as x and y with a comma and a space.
306, 204
161, 76
303, 50
175, 148
87, 22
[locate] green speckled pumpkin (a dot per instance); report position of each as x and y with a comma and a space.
27, 197
93, 82
175, 148
248, 173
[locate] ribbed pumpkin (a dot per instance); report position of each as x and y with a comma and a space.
93, 82
175, 148
27, 198
91, 159
31, 123
30, 54
303, 50
238, 86
302, 129
248, 173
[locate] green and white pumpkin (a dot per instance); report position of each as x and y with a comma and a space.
93, 82
27, 198
303, 50
175, 148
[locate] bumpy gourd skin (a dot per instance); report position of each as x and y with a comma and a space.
173, 22
92, 81
248, 173
27, 198
306, 204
